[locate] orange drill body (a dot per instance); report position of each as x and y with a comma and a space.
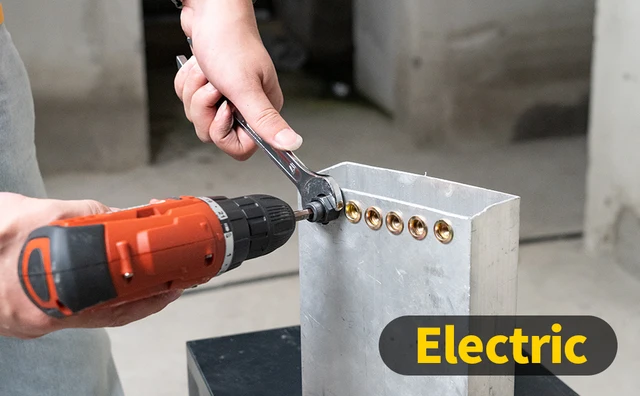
114, 258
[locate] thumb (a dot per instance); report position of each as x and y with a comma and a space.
78, 208
257, 109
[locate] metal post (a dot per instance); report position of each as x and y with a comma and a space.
355, 280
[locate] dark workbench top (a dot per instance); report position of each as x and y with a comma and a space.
267, 363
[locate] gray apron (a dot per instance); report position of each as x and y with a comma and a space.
68, 362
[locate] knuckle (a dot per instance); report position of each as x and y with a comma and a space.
196, 74
11, 226
267, 117
221, 134
279, 102
8, 228
95, 207
200, 100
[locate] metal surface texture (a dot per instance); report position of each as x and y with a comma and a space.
355, 279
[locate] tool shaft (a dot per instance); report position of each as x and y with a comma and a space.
301, 215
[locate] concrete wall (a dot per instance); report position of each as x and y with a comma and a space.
613, 196
86, 63
487, 70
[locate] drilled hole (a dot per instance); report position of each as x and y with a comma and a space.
373, 218
353, 212
394, 223
418, 227
443, 231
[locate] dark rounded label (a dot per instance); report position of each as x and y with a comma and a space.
498, 345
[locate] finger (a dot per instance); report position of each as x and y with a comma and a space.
69, 209
247, 143
195, 81
227, 138
274, 92
181, 76
123, 314
267, 122
203, 110
141, 309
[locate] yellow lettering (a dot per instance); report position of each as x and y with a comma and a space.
424, 345
536, 347
449, 344
570, 352
491, 349
556, 345
471, 347
517, 339
464, 349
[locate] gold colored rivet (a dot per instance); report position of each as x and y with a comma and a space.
395, 225
373, 218
443, 231
418, 227
353, 211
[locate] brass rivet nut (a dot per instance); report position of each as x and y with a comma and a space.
443, 230
418, 227
373, 218
353, 211
395, 224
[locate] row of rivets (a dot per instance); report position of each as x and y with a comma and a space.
417, 225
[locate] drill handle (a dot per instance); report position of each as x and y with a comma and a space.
81, 279
75, 264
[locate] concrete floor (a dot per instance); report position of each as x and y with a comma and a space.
554, 278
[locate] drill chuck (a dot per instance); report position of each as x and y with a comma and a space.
259, 224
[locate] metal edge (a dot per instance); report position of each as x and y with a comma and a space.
506, 196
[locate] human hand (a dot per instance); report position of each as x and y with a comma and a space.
19, 317
231, 61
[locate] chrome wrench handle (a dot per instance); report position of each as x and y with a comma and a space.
320, 194
315, 189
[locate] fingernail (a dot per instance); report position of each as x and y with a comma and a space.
209, 87
287, 139
222, 111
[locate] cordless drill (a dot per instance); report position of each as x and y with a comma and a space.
109, 259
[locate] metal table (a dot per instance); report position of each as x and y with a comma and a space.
267, 363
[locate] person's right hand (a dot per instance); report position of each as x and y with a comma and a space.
231, 60
19, 317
